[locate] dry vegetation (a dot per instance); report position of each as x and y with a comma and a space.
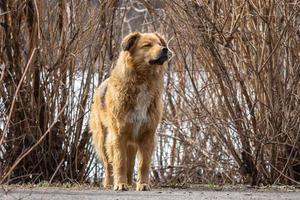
232, 98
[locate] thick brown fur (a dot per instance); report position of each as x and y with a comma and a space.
127, 109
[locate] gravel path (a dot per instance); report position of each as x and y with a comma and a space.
156, 194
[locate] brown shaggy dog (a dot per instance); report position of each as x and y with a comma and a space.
127, 109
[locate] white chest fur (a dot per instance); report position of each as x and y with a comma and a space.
139, 114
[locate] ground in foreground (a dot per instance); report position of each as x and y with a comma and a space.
47, 193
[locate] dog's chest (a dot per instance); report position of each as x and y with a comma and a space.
138, 115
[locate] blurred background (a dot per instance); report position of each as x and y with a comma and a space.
232, 91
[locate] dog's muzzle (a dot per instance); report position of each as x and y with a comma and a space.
163, 56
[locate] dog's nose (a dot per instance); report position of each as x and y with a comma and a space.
164, 50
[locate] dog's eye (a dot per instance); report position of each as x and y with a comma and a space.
147, 45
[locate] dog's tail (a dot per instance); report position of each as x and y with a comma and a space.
102, 92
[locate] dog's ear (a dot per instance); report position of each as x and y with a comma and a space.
130, 40
162, 40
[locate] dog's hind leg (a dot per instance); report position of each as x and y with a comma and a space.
99, 134
119, 162
99, 137
131, 154
108, 179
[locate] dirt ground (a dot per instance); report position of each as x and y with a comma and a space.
58, 193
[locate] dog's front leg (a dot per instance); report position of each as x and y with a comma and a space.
145, 151
120, 163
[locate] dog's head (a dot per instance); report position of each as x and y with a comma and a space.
146, 48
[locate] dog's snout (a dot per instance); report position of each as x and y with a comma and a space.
163, 56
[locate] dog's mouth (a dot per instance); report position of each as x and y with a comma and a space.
164, 55
159, 61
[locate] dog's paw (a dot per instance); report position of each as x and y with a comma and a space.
121, 187
107, 185
142, 187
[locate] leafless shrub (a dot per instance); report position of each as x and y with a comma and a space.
233, 97
50, 51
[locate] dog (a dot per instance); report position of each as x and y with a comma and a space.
127, 108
